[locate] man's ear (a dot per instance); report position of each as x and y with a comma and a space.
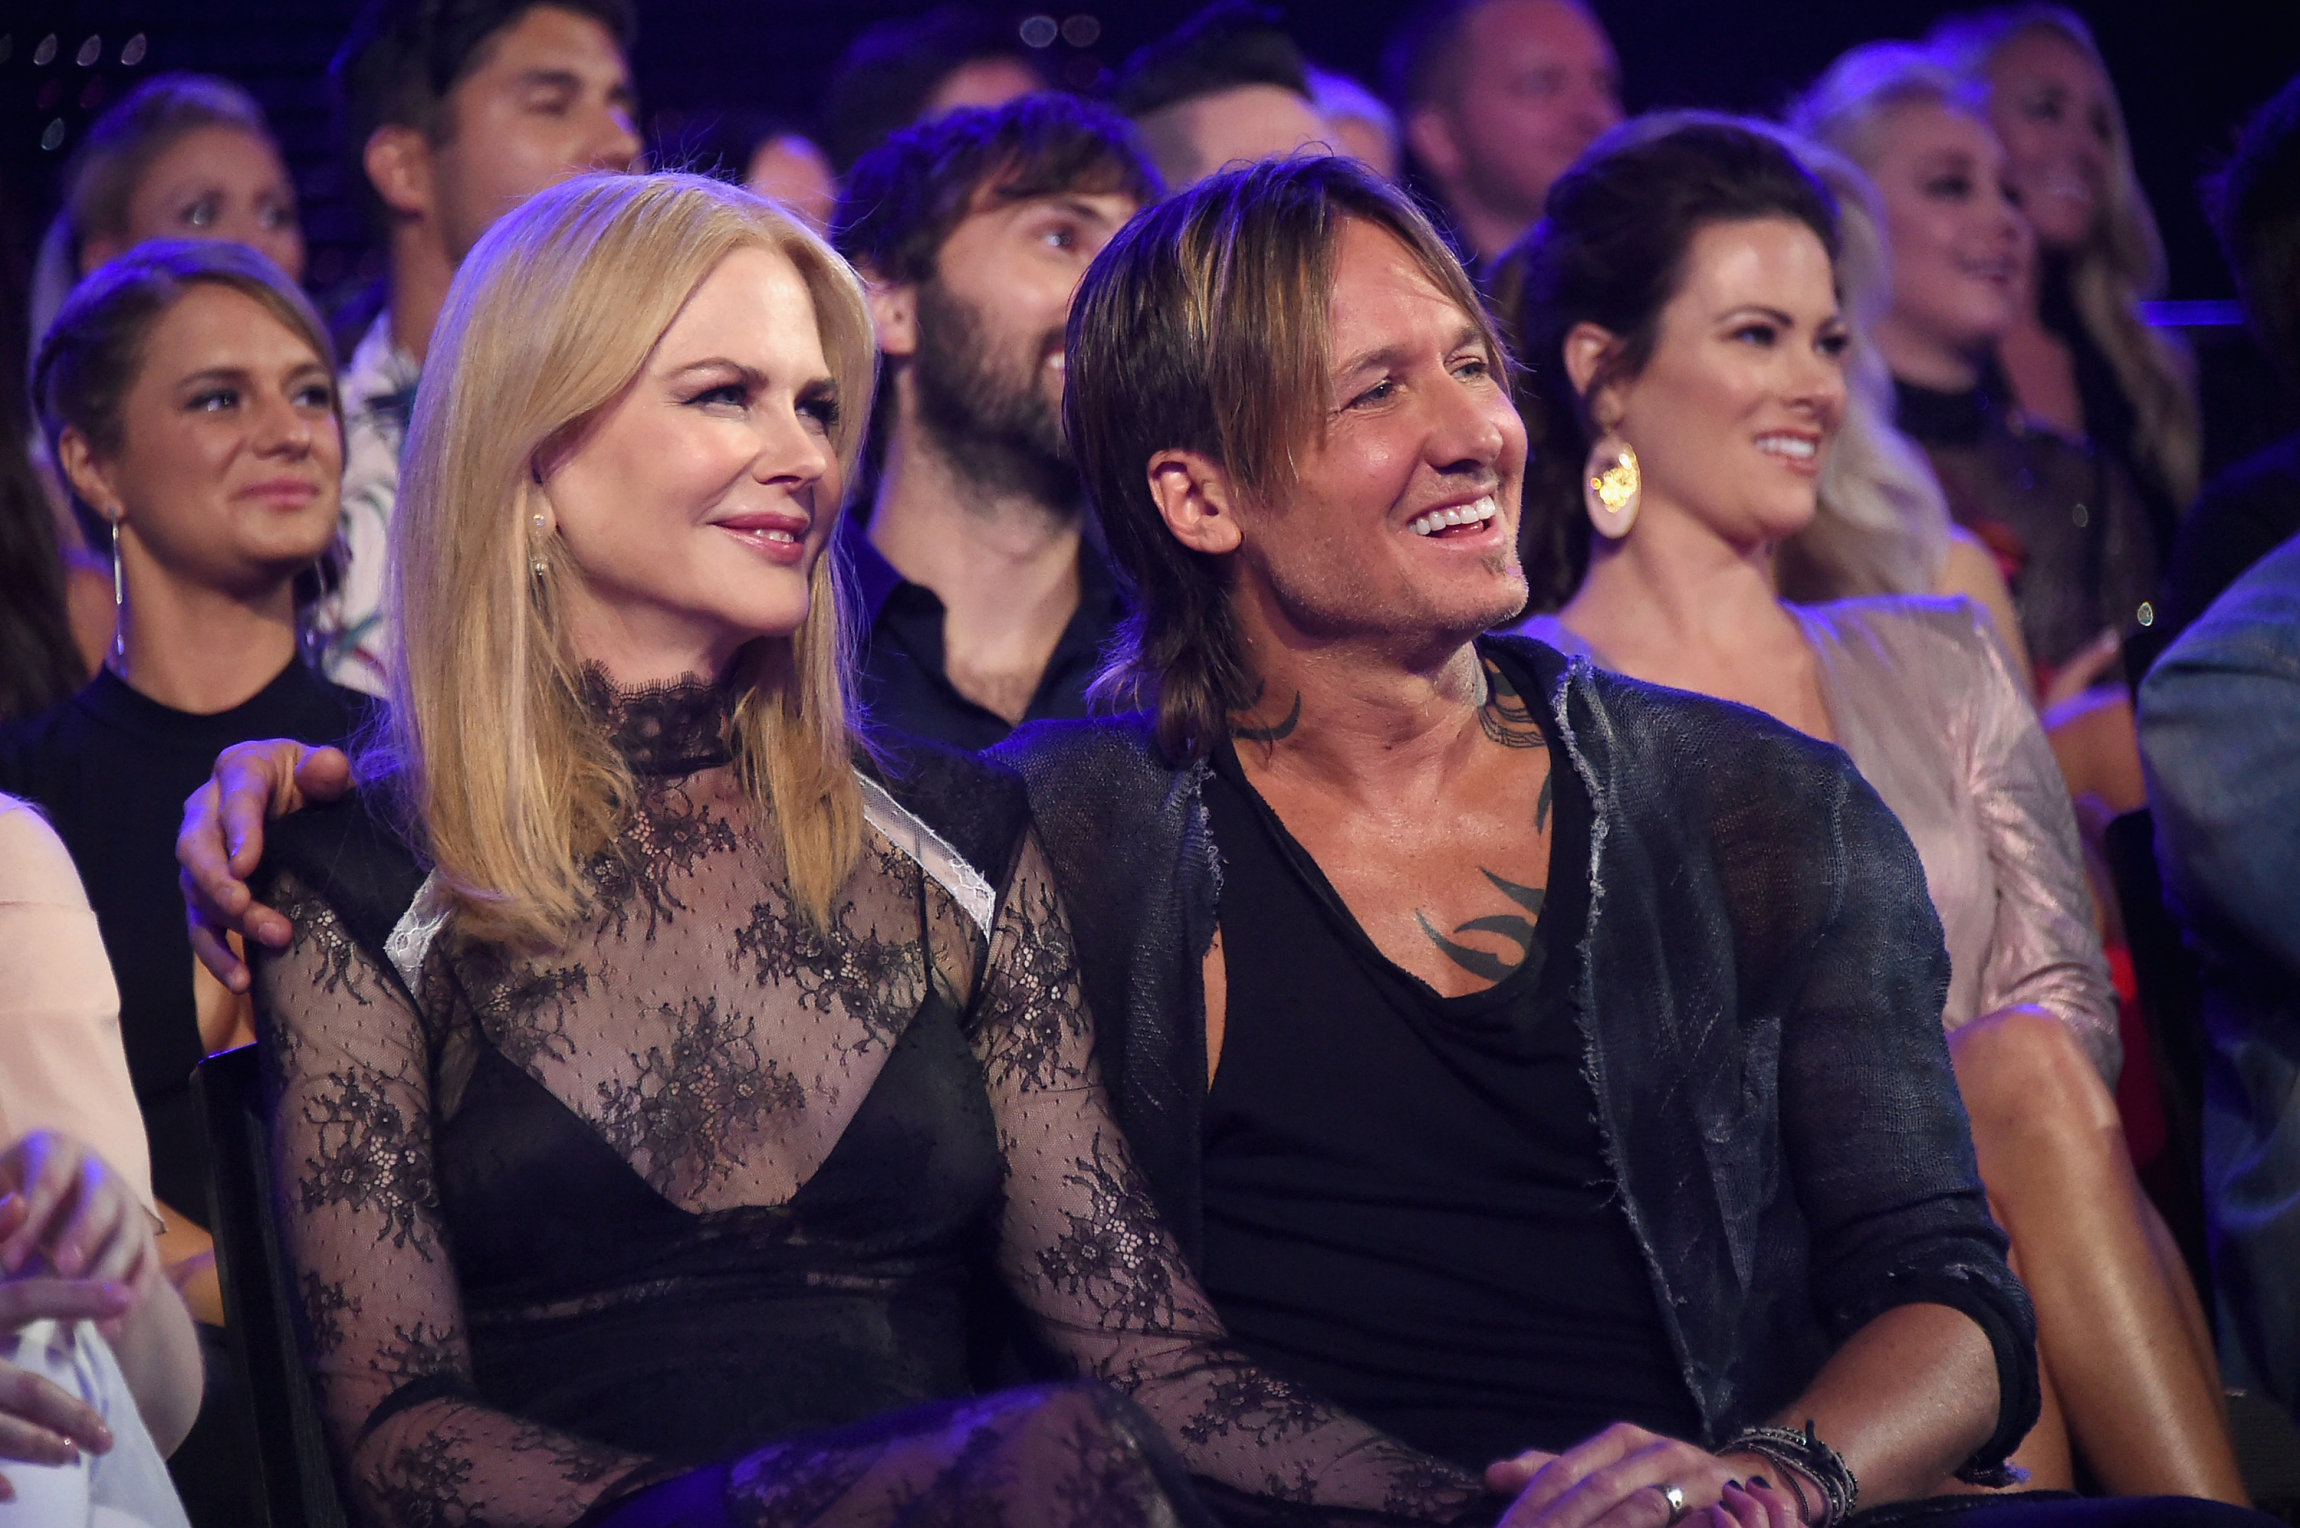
893, 314
90, 478
1586, 349
398, 164
1430, 134
1197, 500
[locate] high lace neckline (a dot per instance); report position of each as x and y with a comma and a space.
662, 729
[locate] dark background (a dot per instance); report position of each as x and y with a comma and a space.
2188, 74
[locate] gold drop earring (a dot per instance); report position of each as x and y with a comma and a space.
1611, 486
539, 563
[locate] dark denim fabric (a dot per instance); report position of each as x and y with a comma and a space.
1760, 1002
2220, 734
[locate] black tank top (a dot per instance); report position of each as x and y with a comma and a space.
1407, 1202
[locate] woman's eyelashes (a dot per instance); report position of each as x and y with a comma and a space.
735, 395
1831, 340
822, 406
818, 405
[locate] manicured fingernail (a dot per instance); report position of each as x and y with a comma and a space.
1761, 1483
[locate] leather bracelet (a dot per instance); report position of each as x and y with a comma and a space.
1806, 1454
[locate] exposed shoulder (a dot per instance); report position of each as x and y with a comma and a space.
34, 864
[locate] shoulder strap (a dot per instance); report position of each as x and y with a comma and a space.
943, 864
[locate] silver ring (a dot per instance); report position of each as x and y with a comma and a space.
1675, 1496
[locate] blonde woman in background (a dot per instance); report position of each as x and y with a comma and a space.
2082, 359
1881, 524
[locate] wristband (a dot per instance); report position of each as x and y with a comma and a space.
1807, 1455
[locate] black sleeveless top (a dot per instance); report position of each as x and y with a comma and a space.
1407, 1201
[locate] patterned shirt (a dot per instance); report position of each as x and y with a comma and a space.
378, 396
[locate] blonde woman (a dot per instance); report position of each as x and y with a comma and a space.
2082, 359
645, 1071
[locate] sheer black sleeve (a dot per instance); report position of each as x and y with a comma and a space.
348, 1075
1085, 1253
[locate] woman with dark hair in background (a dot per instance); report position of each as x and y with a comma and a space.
188, 396
1713, 397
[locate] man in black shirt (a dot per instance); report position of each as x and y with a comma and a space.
982, 602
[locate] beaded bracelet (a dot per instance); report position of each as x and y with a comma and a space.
1805, 1454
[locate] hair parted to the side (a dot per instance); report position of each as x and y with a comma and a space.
1611, 252
94, 351
1205, 326
2120, 268
491, 759
1882, 522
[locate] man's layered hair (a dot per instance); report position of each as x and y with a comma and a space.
904, 197
1205, 326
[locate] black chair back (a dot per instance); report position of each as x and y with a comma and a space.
298, 1474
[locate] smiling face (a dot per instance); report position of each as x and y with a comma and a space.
1403, 515
1733, 413
692, 509
230, 462
1960, 246
2056, 113
212, 183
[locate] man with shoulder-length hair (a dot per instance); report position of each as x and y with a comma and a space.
1525, 1056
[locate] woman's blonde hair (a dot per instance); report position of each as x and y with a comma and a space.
491, 757
2120, 268
1884, 524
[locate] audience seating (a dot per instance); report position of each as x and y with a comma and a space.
299, 1485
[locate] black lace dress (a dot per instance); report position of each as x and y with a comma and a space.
705, 1181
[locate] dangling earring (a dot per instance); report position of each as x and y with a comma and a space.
119, 599
1611, 486
538, 563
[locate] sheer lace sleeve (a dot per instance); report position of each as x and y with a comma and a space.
2046, 950
348, 1079
1087, 1257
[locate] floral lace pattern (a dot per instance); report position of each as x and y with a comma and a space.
721, 1044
